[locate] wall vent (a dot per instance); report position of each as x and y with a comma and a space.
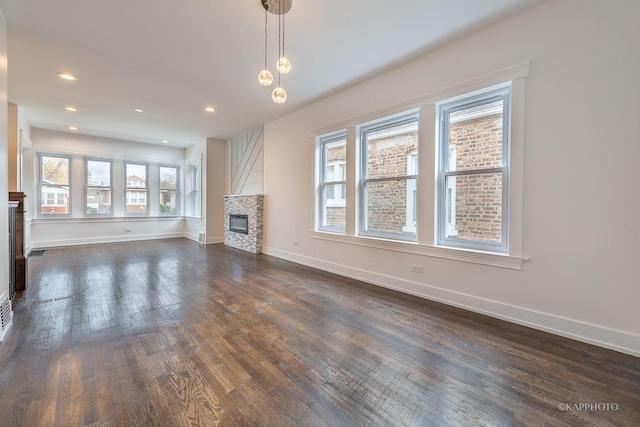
6, 315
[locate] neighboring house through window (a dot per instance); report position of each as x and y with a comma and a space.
473, 171
388, 185
136, 189
168, 190
98, 190
55, 179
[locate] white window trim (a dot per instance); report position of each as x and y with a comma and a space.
412, 186
450, 209
476, 257
321, 165
445, 168
425, 246
194, 194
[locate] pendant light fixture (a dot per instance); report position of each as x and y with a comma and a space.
279, 95
283, 65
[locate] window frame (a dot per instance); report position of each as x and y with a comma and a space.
87, 187
176, 190
515, 75
444, 110
69, 186
411, 215
396, 120
323, 184
127, 188
193, 188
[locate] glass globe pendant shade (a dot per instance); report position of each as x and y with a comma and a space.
283, 65
279, 95
265, 77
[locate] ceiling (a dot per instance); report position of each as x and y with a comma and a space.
174, 58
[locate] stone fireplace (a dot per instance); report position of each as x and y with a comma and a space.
243, 222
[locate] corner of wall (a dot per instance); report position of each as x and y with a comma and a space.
4, 150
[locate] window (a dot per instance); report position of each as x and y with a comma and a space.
459, 195
136, 189
473, 172
192, 187
168, 190
388, 185
55, 187
98, 189
412, 194
333, 180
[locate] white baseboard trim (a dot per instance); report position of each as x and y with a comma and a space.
214, 240
207, 240
191, 236
623, 342
109, 239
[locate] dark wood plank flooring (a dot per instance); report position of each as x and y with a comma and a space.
171, 333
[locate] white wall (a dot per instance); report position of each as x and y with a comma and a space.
4, 173
26, 176
217, 185
194, 226
581, 198
12, 159
49, 232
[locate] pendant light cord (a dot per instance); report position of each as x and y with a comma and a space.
279, 41
265, 39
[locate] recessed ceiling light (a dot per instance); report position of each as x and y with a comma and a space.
164, 141
73, 128
67, 76
138, 110
209, 109
72, 109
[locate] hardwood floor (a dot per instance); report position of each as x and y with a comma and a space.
170, 333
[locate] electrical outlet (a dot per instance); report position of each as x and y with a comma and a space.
416, 269
296, 243
128, 230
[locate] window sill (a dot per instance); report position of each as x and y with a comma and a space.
476, 257
336, 203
